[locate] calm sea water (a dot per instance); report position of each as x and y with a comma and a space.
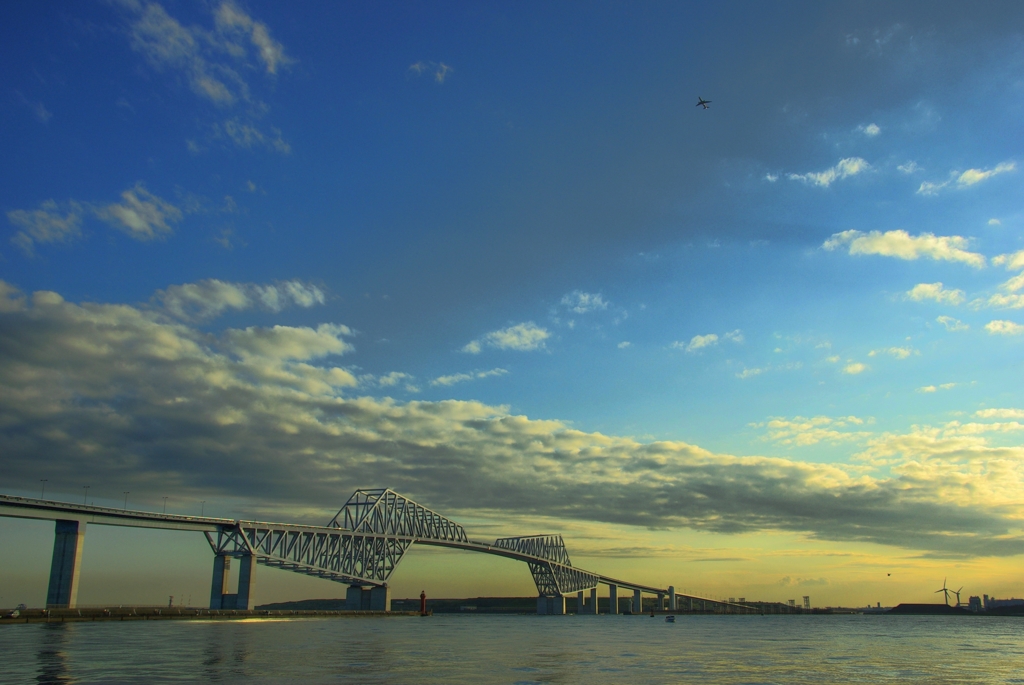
522, 649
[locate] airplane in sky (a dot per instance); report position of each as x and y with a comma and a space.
703, 103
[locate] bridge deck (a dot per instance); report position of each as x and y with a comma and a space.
30, 508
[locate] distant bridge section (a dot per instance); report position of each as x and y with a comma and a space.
361, 547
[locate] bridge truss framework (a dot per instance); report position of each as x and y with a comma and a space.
361, 547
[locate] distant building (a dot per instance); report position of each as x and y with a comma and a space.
791, 602
974, 603
807, 602
993, 603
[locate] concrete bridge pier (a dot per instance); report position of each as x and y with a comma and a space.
661, 601
380, 598
220, 598
671, 597
551, 605
613, 599
638, 602
219, 589
246, 582
579, 602
354, 599
375, 598
68, 538
593, 601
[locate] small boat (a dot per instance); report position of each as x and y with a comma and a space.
670, 619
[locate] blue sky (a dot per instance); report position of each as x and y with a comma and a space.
493, 256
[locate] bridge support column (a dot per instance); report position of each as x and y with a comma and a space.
661, 601
579, 602
593, 601
551, 605
380, 598
638, 602
613, 599
246, 582
354, 599
219, 597
671, 598
68, 538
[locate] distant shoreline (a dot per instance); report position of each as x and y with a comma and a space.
91, 614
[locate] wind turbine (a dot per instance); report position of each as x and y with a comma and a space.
957, 593
945, 591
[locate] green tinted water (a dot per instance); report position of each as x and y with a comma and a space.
523, 649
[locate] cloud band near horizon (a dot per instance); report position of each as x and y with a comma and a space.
127, 397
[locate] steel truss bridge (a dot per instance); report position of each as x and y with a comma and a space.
361, 547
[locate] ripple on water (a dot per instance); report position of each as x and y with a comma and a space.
523, 649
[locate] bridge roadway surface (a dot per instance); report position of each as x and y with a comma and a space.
30, 508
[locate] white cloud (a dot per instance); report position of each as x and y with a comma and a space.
751, 372
850, 166
248, 135
51, 223
871, 130
167, 44
897, 352
288, 342
902, 245
930, 188
804, 432
209, 298
141, 214
771, 178
230, 19
952, 324
1000, 413
995, 222
909, 167
392, 379
935, 291
973, 176
624, 344
966, 179
206, 59
581, 302
1006, 301
1012, 261
1001, 327
1011, 299
523, 337
932, 388
439, 70
854, 368
697, 342
463, 377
